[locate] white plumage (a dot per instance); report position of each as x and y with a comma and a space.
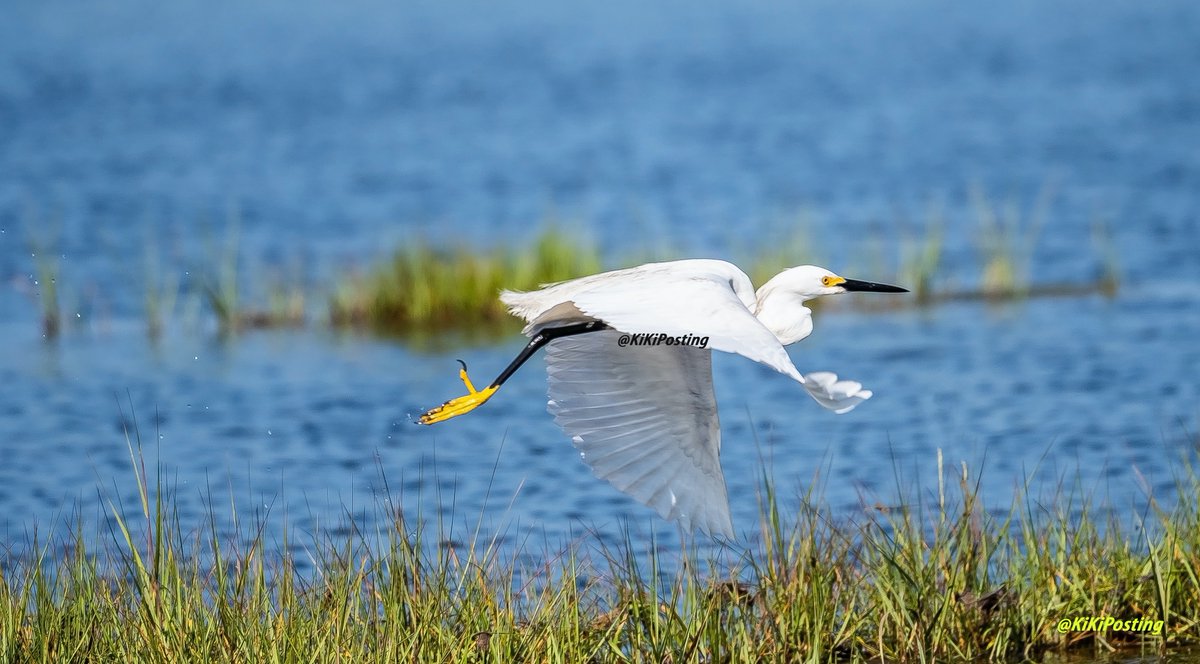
644, 418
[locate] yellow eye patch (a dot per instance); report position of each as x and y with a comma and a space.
830, 280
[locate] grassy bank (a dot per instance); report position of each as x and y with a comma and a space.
942, 579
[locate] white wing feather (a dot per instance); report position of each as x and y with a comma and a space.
840, 396
645, 420
706, 304
701, 305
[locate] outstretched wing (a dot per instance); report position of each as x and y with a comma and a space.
645, 420
705, 305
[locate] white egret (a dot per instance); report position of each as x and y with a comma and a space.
641, 413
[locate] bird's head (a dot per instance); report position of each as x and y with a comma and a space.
806, 282
781, 300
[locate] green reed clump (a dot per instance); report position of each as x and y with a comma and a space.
427, 286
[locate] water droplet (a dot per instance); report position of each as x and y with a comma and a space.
269, 433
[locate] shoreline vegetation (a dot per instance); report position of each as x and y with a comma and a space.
425, 288
936, 576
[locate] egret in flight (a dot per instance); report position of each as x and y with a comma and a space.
630, 370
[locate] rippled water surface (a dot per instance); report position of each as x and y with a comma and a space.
326, 137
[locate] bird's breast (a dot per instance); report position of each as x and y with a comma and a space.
788, 324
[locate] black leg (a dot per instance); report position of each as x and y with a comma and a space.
475, 398
541, 339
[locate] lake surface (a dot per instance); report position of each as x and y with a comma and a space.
323, 138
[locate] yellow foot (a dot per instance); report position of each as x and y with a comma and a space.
460, 405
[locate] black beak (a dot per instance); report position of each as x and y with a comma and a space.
854, 285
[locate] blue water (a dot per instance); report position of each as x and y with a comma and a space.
323, 137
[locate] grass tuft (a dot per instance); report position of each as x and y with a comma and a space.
423, 286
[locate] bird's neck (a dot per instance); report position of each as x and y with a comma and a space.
785, 315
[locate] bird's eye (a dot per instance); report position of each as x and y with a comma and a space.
827, 281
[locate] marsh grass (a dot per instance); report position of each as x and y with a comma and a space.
225, 291
1110, 270
921, 257
220, 283
47, 270
933, 577
425, 289
286, 304
429, 287
1007, 240
160, 292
